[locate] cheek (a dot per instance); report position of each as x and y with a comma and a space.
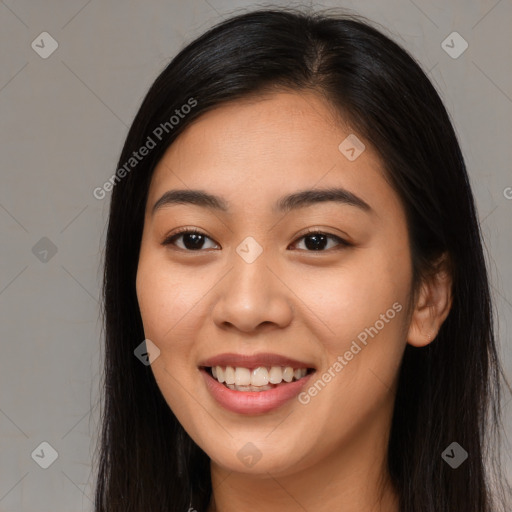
172, 306
164, 294
346, 301
166, 300
155, 299
362, 313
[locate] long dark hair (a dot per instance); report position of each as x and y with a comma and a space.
448, 391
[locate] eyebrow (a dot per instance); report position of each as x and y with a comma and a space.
300, 199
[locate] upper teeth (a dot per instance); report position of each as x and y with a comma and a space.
260, 376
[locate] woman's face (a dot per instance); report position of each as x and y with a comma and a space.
259, 282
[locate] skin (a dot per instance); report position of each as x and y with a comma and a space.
309, 305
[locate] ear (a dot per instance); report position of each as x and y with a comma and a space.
433, 304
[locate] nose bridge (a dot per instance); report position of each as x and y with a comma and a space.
250, 273
252, 294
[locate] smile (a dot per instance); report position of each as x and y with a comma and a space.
258, 379
248, 399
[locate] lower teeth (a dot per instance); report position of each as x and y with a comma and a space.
234, 387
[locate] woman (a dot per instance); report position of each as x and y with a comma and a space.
297, 308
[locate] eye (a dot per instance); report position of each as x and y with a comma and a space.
317, 240
193, 239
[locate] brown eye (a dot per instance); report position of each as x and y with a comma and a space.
193, 240
317, 241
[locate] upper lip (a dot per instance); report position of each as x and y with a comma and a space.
253, 361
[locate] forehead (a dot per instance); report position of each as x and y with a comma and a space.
251, 151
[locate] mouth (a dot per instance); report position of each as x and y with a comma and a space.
254, 384
256, 379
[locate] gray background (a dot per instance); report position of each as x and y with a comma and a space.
63, 122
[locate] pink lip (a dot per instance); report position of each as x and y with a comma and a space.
245, 361
253, 402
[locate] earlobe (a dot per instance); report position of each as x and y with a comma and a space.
432, 307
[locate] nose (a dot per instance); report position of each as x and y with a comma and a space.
253, 297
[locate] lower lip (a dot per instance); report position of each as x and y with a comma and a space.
253, 402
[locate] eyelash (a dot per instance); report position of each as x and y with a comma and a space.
170, 239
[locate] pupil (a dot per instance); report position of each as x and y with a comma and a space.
196, 240
317, 244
